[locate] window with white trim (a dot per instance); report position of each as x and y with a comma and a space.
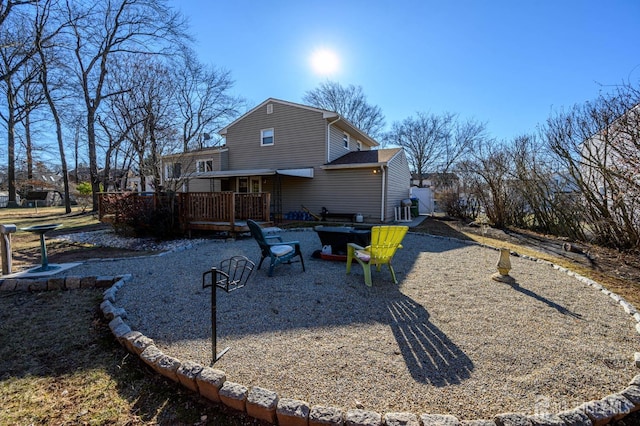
266, 137
359, 145
204, 166
173, 170
345, 140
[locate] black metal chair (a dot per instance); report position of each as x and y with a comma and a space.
273, 247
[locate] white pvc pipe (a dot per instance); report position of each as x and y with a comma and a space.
329, 138
382, 207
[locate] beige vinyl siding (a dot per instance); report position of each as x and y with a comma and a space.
222, 160
299, 139
204, 185
398, 183
336, 145
189, 160
340, 191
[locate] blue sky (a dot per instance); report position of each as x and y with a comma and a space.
506, 63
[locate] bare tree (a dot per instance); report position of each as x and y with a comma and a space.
15, 52
202, 97
543, 197
49, 53
597, 144
351, 103
31, 97
144, 117
103, 31
19, 41
433, 143
487, 172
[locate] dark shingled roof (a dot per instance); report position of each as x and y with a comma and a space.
365, 157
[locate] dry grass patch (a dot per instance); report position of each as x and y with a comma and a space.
26, 245
61, 365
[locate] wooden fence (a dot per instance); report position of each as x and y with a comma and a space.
217, 211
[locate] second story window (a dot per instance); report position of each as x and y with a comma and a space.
266, 137
173, 170
204, 166
359, 146
345, 140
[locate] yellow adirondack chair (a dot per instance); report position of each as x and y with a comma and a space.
385, 240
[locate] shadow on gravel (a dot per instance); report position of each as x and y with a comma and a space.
430, 355
550, 303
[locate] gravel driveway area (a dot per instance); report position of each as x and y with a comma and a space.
448, 339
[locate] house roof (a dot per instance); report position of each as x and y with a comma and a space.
196, 152
306, 172
374, 157
326, 114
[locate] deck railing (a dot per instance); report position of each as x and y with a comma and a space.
253, 206
224, 207
206, 206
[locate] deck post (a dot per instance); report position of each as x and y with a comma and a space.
232, 214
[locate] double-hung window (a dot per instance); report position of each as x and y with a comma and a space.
266, 137
345, 140
173, 170
204, 166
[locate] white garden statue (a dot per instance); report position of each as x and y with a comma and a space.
504, 266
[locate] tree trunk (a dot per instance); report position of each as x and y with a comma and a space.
29, 146
11, 146
107, 169
93, 161
76, 144
63, 161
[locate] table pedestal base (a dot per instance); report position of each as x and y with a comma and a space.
44, 269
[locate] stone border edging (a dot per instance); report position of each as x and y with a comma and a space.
265, 404
60, 283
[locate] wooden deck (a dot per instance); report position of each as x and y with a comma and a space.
223, 211
209, 211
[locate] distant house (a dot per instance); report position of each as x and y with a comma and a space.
302, 156
610, 163
42, 189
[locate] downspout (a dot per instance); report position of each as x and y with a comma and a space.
384, 192
329, 138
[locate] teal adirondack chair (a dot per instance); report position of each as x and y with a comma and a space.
273, 247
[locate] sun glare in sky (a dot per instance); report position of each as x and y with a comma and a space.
325, 61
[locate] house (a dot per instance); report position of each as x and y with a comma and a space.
301, 156
608, 177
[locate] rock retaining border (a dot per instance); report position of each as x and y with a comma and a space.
266, 405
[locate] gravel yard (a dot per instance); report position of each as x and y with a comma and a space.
446, 340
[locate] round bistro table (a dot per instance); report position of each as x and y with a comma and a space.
41, 230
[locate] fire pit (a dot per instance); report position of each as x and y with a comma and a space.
338, 237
